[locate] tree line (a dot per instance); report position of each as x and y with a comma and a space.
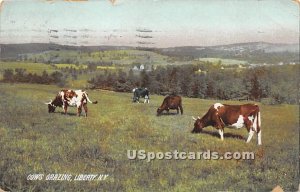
275, 84
272, 84
58, 77
20, 75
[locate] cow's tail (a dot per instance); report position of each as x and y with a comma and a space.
93, 102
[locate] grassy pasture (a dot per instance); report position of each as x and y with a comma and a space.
224, 61
33, 141
63, 65
85, 66
108, 67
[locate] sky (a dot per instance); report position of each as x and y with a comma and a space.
150, 23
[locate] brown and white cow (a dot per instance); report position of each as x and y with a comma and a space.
236, 116
171, 102
74, 98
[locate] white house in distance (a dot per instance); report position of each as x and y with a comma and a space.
135, 68
140, 68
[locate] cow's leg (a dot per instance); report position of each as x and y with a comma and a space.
257, 122
253, 127
146, 100
221, 132
259, 137
65, 107
251, 132
248, 123
85, 109
177, 110
181, 109
220, 126
258, 128
79, 110
249, 127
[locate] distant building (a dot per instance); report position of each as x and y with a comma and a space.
199, 71
142, 67
135, 68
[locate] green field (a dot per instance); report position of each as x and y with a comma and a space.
60, 66
118, 57
33, 141
223, 61
37, 68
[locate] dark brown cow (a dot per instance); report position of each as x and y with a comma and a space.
67, 98
236, 116
171, 102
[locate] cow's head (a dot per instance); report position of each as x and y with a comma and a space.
135, 99
198, 125
51, 107
159, 111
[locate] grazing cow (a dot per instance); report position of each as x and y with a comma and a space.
236, 116
140, 92
71, 98
171, 102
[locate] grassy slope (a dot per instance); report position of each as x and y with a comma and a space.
33, 141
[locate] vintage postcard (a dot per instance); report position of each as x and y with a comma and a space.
149, 95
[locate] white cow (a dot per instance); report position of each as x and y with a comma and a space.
73, 98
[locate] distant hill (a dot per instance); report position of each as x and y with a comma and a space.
13, 50
254, 46
231, 48
255, 52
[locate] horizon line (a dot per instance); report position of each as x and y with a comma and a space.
249, 42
